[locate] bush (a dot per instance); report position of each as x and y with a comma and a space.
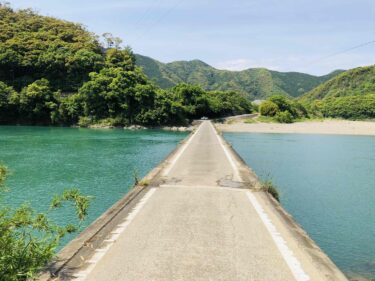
283, 109
351, 107
85, 121
268, 108
255, 107
28, 240
284, 117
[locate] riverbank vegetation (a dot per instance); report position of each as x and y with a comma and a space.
350, 95
269, 187
28, 239
54, 72
280, 109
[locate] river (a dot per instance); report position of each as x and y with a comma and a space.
101, 163
327, 183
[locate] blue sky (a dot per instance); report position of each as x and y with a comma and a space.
284, 35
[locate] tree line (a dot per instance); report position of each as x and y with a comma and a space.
54, 72
284, 110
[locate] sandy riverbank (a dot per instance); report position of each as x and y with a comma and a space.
333, 127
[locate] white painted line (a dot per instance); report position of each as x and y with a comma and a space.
100, 253
202, 187
236, 174
292, 262
178, 155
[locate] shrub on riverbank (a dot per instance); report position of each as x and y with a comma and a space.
269, 187
284, 117
268, 108
282, 109
28, 240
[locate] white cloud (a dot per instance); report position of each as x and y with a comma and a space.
306, 64
242, 64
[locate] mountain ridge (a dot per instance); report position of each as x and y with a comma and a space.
354, 82
255, 83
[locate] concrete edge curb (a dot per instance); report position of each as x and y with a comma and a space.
316, 253
51, 271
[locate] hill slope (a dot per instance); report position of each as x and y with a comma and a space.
358, 81
257, 83
34, 47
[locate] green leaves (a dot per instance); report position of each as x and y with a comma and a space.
351, 107
48, 60
268, 108
282, 109
28, 240
3, 175
80, 202
34, 47
358, 81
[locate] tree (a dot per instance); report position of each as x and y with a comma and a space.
70, 109
284, 117
36, 102
120, 58
349, 107
111, 93
283, 103
192, 98
6, 109
111, 41
34, 47
268, 108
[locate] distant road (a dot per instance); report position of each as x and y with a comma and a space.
206, 221
242, 116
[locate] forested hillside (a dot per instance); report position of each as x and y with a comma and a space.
56, 72
257, 83
358, 81
34, 47
349, 95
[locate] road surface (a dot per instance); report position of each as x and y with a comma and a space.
204, 223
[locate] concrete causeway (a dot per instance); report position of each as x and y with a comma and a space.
202, 217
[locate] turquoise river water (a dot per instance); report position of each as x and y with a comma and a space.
101, 163
327, 183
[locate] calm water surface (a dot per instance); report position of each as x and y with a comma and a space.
101, 163
327, 183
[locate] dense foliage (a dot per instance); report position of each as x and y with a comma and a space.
282, 109
350, 95
350, 107
34, 47
56, 72
254, 83
28, 240
358, 81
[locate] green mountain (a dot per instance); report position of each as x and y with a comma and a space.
256, 83
56, 72
354, 82
34, 47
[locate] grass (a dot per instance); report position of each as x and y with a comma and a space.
144, 183
269, 187
250, 121
260, 119
135, 177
